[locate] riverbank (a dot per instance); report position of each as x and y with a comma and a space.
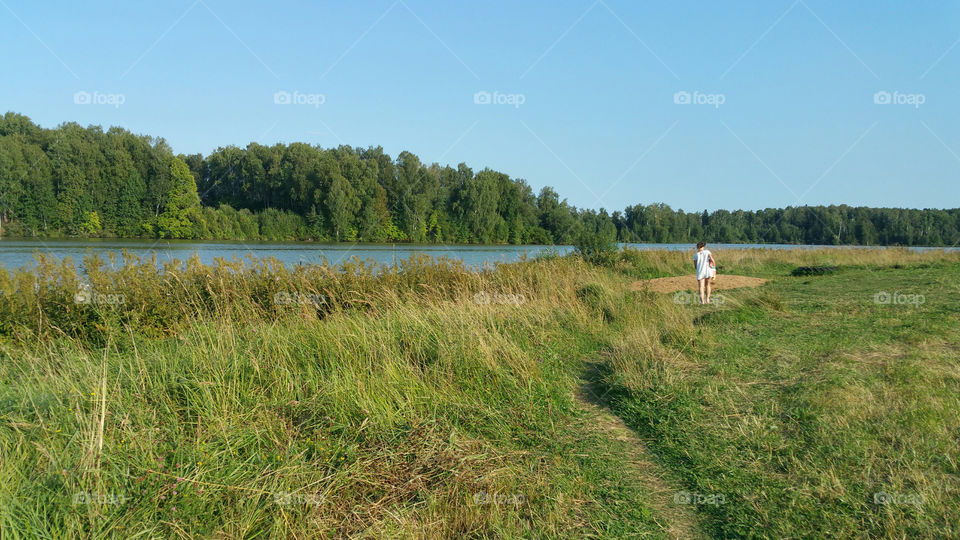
21, 253
434, 401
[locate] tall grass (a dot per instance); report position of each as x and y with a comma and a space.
139, 295
246, 399
380, 403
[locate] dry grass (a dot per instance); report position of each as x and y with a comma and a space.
385, 412
766, 262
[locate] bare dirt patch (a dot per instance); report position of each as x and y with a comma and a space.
689, 283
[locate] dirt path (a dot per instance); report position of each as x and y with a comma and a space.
677, 520
688, 283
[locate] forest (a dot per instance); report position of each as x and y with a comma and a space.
74, 181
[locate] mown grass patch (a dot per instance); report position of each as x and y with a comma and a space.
825, 407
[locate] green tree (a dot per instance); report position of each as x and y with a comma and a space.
182, 204
342, 206
91, 224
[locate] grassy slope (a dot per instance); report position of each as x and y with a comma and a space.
440, 418
797, 402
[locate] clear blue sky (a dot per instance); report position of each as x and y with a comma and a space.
798, 121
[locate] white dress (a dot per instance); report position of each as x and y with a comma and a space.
702, 258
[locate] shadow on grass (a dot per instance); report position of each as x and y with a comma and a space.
653, 427
677, 519
592, 389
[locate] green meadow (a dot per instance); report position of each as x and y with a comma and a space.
540, 399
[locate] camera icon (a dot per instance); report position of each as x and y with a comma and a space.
682, 298
81, 98
281, 97
481, 298
882, 297
682, 497
481, 98
881, 98
82, 297
282, 298
282, 498
681, 98
481, 498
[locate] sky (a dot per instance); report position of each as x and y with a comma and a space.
699, 105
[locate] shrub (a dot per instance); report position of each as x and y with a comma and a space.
593, 246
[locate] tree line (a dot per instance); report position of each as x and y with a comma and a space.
84, 181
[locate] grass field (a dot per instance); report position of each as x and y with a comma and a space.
541, 400
812, 407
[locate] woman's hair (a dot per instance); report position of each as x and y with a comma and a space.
701, 244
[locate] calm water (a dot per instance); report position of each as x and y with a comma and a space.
19, 253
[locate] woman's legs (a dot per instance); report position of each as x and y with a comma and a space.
708, 289
702, 283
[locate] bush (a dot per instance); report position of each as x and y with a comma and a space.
592, 246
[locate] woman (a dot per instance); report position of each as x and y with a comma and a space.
702, 262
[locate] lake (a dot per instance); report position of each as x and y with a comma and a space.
16, 253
